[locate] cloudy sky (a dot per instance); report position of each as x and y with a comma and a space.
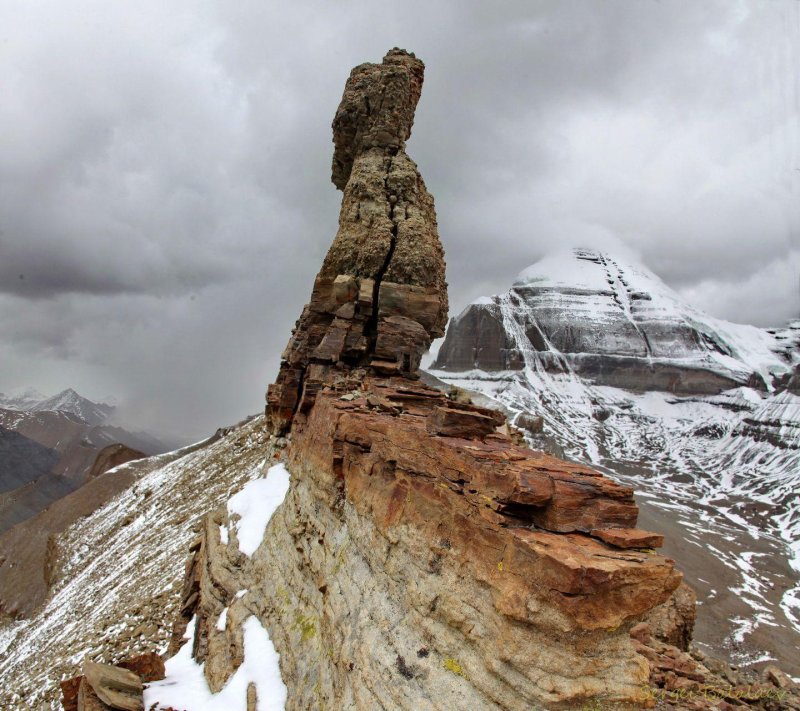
165, 199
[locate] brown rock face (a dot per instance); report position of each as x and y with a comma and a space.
673, 621
112, 686
422, 558
380, 297
695, 682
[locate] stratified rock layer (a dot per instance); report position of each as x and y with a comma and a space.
380, 297
612, 322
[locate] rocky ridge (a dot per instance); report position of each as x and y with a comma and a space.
380, 297
115, 572
422, 558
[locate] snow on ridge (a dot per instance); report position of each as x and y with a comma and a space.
254, 506
123, 565
185, 685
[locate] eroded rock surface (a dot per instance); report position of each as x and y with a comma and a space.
422, 558
411, 570
380, 297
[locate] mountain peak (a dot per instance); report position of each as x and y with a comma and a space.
69, 400
614, 321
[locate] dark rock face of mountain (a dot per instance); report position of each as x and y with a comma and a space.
23, 459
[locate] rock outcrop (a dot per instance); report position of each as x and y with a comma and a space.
422, 558
112, 456
691, 680
380, 297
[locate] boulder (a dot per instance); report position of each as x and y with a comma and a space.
114, 686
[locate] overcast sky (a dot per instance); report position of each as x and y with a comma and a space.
165, 195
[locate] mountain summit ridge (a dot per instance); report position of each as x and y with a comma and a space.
68, 401
625, 327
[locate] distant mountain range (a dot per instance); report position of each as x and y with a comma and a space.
67, 401
49, 446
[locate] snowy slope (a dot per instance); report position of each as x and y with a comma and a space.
723, 461
120, 570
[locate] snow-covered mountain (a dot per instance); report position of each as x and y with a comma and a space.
20, 399
68, 401
701, 415
48, 446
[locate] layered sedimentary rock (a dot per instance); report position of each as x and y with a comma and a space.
422, 559
380, 297
403, 569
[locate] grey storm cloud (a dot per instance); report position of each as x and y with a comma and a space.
164, 170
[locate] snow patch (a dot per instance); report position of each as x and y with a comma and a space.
185, 685
223, 620
255, 504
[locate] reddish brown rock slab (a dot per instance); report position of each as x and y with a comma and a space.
483, 496
148, 667
69, 693
779, 678
452, 422
629, 537
598, 587
88, 700
525, 486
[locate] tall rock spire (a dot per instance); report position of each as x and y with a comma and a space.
380, 297
422, 557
